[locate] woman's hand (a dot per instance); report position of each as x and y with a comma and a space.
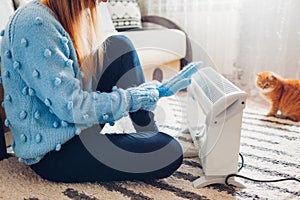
144, 97
179, 81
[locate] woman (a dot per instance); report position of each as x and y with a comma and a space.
59, 86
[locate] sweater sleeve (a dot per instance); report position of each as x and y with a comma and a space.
44, 57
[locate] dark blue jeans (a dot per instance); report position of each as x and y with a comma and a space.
94, 157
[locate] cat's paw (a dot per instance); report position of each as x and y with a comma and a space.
280, 116
286, 117
270, 115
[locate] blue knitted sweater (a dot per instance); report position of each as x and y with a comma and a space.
44, 100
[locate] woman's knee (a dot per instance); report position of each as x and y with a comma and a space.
120, 43
119, 51
120, 59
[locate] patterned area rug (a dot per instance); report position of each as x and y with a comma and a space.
270, 147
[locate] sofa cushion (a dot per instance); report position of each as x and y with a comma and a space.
159, 47
125, 14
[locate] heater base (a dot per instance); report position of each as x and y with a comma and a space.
204, 181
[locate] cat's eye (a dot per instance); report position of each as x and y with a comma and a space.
266, 84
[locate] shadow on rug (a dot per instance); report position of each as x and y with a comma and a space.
270, 147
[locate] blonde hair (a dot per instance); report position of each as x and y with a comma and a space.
81, 20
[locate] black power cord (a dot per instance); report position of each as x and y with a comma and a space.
255, 180
242, 162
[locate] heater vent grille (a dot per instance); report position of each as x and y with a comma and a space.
213, 84
223, 84
210, 90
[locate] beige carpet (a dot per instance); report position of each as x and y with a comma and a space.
270, 146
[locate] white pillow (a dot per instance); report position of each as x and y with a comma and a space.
6, 10
125, 14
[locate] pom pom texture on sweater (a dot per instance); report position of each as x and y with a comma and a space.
44, 101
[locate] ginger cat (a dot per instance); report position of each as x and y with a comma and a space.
283, 94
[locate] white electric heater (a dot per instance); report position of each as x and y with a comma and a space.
214, 109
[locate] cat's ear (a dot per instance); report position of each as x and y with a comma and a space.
272, 77
258, 74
